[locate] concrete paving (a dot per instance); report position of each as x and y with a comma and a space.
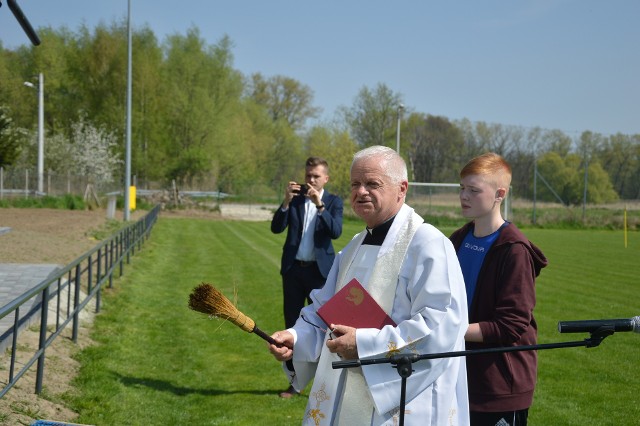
15, 280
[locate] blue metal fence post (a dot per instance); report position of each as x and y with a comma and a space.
76, 302
98, 279
44, 311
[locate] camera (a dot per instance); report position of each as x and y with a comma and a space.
303, 190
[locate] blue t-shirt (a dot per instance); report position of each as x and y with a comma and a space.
471, 256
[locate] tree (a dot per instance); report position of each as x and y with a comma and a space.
284, 98
556, 141
10, 139
93, 153
198, 120
599, 187
373, 116
98, 76
240, 165
337, 147
285, 160
148, 155
58, 152
635, 179
556, 177
203, 91
619, 155
564, 178
436, 144
12, 91
473, 146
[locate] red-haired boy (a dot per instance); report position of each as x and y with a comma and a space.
500, 266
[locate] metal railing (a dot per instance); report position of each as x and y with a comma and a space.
67, 293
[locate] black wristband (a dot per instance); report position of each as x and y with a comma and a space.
321, 206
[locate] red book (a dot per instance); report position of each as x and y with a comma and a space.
354, 306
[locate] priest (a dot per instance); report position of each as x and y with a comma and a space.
411, 270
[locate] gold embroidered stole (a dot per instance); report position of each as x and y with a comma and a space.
356, 406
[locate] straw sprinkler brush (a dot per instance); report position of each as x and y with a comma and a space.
208, 300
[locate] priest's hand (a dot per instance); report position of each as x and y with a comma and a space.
344, 344
284, 350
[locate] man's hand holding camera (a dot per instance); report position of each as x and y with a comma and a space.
295, 189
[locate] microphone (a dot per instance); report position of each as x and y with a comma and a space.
23, 21
589, 326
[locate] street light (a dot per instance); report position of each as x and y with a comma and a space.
400, 109
40, 89
127, 160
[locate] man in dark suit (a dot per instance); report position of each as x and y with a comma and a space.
313, 217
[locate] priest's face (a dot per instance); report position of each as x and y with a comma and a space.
374, 195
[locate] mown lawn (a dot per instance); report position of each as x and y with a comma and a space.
158, 363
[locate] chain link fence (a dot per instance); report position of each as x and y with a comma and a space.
24, 182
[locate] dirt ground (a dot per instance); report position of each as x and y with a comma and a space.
35, 236
60, 236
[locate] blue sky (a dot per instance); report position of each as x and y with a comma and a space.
572, 65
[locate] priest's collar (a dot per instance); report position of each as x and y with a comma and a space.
375, 236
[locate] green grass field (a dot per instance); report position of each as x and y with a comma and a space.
157, 362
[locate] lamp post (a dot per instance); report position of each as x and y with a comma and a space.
400, 109
127, 161
40, 89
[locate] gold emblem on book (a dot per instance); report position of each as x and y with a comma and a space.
356, 296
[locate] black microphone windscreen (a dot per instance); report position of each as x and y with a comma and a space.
588, 326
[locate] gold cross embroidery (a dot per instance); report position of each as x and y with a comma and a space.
315, 413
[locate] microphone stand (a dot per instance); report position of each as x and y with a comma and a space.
404, 363
23, 21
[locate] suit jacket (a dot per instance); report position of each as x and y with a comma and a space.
328, 227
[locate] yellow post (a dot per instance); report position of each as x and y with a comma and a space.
132, 197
